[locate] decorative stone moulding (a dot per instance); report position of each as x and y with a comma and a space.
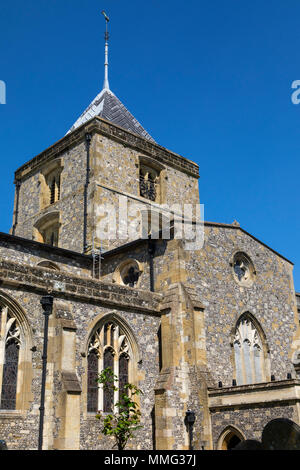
243, 269
128, 273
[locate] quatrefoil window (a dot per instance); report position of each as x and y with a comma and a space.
243, 269
128, 273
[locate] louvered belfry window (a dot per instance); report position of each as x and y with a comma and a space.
148, 183
54, 183
52, 191
11, 348
108, 347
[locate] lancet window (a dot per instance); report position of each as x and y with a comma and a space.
10, 342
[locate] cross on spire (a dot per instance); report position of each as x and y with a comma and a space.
106, 37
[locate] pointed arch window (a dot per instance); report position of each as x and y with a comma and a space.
9, 348
108, 347
248, 353
53, 183
46, 229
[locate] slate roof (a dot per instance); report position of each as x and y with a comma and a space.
107, 106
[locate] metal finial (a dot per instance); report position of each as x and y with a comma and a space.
106, 84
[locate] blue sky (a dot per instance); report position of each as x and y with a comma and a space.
210, 80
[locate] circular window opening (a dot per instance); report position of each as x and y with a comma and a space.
243, 269
128, 274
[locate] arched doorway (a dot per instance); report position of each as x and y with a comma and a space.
230, 442
230, 438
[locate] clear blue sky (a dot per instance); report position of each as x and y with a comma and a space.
210, 80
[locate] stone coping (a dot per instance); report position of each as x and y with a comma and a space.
134, 243
253, 387
87, 258
247, 396
237, 227
44, 248
106, 128
43, 280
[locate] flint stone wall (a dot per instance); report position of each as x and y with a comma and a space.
270, 299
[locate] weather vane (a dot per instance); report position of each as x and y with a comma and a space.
106, 84
105, 16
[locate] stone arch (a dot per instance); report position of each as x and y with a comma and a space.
9, 307
258, 367
124, 343
230, 436
48, 265
7, 300
118, 276
100, 320
281, 434
49, 222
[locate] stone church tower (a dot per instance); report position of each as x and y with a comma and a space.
214, 330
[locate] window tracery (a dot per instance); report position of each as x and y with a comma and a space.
11, 341
149, 179
108, 347
128, 273
243, 269
248, 352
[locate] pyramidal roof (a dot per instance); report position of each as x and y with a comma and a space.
107, 106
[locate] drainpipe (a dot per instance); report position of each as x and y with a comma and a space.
18, 185
151, 251
88, 139
47, 304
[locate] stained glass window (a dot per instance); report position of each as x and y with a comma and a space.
108, 394
123, 374
105, 334
108, 348
10, 362
112, 329
92, 384
10, 375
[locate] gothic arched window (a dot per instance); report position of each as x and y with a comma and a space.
108, 347
248, 353
9, 349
